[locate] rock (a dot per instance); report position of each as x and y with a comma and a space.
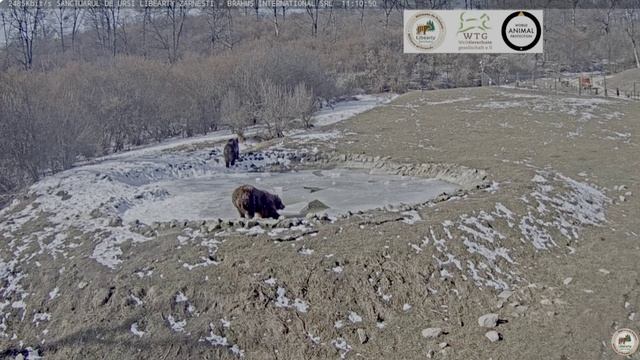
559, 301
521, 309
622, 198
628, 193
632, 316
115, 221
545, 302
505, 294
567, 281
82, 284
430, 354
492, 335
604, 271
431, 333
362, 336
314, 206
443, 345
488, 320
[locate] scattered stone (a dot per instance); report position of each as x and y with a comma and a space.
622, 198
505, 294
632, 316
431, 333
492, 335
115, 221
604, 271
545, 302
560, 302
430, 354
82, 284
362, 336
488, 320
567, 281
314, 206
521, 309
443, 345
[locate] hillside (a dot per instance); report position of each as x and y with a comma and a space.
443, 206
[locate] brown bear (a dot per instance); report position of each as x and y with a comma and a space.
231, 152
250, 201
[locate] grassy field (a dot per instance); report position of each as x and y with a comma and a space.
550, 246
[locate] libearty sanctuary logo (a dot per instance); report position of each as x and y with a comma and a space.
425, 30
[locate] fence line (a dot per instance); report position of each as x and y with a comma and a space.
579, 85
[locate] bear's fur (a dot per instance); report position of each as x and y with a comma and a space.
231, 152
250, 201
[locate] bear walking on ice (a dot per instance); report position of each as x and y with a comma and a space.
250, 201
231, 152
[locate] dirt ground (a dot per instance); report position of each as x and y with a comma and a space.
366, 286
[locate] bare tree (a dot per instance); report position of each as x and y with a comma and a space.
219, 21
303, 103
275, 20
172, 19
105, 21
59, 13
235, 113
574, 6
631, 16
76, 20
388, 6
27, 20
313, 10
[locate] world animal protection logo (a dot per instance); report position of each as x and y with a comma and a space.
625, 342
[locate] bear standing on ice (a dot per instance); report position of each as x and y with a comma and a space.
231, 152
250, 201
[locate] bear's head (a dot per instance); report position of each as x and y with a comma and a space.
277, 202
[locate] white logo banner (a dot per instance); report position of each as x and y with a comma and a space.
473, 31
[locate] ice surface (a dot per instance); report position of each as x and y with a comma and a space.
341, 189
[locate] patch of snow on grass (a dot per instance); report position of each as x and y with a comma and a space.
284, 302
345, 109
177, 326
354, 317
54, 293
342, 346
222, 341
411, 217
135, 331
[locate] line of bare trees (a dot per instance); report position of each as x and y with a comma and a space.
50, 120
78, 82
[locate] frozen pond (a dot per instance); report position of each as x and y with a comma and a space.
341, 190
